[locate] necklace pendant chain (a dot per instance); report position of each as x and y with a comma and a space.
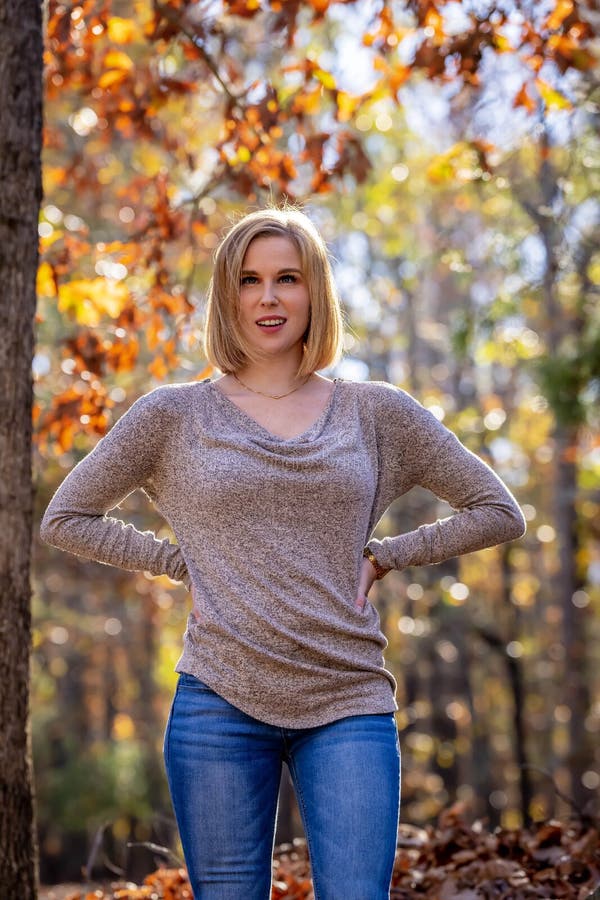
271, 396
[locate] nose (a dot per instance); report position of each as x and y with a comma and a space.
268, 296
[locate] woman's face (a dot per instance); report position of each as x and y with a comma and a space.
273, 289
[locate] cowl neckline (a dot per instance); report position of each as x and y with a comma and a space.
304, 436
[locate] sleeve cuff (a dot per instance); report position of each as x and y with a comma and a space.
383, 556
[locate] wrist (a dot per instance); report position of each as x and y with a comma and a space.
380, 570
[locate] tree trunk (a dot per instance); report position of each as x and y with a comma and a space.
515, 675
576, 693
21, 51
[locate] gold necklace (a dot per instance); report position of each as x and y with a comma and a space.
279, 396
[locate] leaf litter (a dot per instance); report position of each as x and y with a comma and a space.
556, 860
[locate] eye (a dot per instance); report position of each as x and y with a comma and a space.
291, 278
248, 279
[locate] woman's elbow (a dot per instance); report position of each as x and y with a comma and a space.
47, 530
50, 529
515, 524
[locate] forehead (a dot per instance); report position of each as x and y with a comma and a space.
271, 249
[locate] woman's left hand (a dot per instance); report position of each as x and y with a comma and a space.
367, 577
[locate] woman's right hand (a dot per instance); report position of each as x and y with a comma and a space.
367, 577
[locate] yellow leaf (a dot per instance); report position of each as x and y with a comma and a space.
459, 163
552, 98
116, 59
346, 104
122, 31
440, 170
326, 79
502, 44
46, 286
88, 300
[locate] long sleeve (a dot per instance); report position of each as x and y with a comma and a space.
420, 450
123, 460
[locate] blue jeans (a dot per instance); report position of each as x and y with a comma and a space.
224, 769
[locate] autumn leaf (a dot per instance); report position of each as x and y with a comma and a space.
561, 11
89, 300
551, 97
113, 78
122, 31
46, 280
116, 59
435, 23
245, 8
524, 99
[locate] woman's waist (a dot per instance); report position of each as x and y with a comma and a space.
345, 635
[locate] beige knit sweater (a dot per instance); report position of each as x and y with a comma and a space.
271, 532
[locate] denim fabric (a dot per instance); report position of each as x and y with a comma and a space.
224, 769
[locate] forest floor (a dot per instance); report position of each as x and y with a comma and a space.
452, 861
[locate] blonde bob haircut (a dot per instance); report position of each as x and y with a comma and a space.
224, 344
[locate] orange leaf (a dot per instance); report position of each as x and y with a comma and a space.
523, 99
158, 368
434, 20
560, 12
112, 78
116, 59
320, 6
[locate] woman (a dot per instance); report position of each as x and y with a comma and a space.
272, 478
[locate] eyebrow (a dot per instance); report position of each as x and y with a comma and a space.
280, 272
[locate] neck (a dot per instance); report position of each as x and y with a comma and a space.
272, 377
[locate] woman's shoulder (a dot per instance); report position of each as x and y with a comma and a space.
381, 392
396, 411
165, 401
174, 392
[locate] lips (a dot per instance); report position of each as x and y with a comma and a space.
271, 323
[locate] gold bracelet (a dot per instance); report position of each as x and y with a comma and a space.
380, 571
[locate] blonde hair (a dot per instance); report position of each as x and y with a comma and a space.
224, 343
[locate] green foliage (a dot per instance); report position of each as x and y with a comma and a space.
104, 782
571, 381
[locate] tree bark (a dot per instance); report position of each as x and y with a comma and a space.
21, 54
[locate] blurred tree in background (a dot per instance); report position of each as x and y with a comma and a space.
449, 153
